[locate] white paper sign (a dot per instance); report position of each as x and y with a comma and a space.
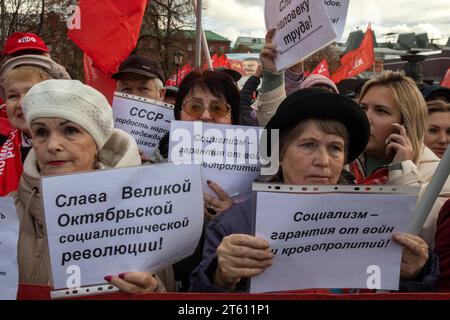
302, 28
337, 11
9, 234
228, 154
146, 120
331, 240
111, 221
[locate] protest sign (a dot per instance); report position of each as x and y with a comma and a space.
145, 119
337, 11
228, 154
9, 233
302, 28
131, 219
331, 236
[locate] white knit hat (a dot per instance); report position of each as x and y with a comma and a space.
73, 101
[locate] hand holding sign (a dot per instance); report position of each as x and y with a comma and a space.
134, 282
414, 255
269, 52
215, 205
241, 256
303, 27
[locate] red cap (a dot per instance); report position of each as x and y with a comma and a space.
19, 41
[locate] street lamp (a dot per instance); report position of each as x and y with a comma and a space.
178, 59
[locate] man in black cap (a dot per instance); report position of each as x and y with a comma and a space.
140, 76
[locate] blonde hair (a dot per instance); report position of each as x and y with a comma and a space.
410, 103
24, 73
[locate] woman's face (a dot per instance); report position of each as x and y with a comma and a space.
62, 146
314, 157
15, 91
438, 133
207, 99
382, 113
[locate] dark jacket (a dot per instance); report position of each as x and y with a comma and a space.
246, 100
442, 246
238, 220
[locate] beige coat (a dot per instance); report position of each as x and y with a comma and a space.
34, 262
423, 172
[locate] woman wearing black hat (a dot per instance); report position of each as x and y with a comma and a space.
316, 141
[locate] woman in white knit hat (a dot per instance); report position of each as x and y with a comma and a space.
72, 128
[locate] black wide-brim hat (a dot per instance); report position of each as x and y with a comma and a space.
315, 103
236, 76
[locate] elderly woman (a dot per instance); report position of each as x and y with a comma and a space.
395, 153
71, 125
319, 133
212, 97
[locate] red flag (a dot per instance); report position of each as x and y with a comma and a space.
97, 79
172, 81
357, 60
108, 31
224, 62
10, 163
237, 65
446, 81
322, 69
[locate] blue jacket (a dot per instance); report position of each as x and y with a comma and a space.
238, 220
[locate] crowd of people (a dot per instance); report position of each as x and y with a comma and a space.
394, 132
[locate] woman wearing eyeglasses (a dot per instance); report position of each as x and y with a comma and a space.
209, 96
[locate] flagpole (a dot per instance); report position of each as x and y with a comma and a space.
204, 42
198, 43
430, 195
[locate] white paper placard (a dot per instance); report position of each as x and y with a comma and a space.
331, 239
107, 222
228, 154
9, 234
302, 28
337, 11
145, 119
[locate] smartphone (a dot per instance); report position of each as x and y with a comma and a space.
393, 152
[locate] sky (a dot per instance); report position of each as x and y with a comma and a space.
233, 18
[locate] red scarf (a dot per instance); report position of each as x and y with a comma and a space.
379, 176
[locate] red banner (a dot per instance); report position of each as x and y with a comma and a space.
172, 81
358, 60
30, 292
237, 65
446, 81
108, 30
98, 80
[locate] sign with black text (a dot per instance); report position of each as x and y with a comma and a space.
9, 234
331, 236
228, 154
146, 120
131, 219
302, 28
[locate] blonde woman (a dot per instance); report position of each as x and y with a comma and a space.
395, 153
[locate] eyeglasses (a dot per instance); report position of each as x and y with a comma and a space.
216, 108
